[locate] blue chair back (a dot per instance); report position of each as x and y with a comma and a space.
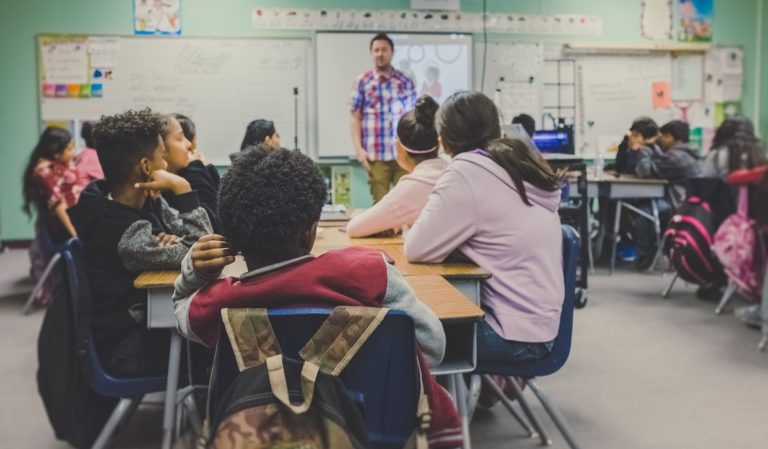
557, 358
80, 297
382, 377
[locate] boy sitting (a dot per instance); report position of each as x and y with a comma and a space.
677, 161
642, 137
127, 228
269, 205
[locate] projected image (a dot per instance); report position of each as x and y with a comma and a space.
438, 66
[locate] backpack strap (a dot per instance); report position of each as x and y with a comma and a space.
340, 336
418, 439
279, 384
251, 335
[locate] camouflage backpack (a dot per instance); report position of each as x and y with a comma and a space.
277, 402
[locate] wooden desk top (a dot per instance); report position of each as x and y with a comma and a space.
332, 237
445, 300
448, 270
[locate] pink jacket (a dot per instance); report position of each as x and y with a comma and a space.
88, 166
475, 209
402, 205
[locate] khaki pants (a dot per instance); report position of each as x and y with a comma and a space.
383, 175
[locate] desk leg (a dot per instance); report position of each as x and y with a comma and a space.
172, 385
615, 235
462, 407
657, 228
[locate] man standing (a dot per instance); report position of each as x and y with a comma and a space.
379, 98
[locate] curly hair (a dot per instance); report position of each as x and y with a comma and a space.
268, 199
123, 139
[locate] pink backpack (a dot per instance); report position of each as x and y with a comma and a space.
740, 247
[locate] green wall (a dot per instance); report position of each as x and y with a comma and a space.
20, 22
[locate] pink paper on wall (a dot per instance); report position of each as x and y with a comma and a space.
662, 95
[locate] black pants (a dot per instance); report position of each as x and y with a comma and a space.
143, 352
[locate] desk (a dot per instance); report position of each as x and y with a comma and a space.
621, 188
466, 277
457, 313
333, 237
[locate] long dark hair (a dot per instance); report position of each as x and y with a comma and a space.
737, 134
257, 132
469, 120
416, 129
52, 142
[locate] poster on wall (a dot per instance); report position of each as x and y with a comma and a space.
693, 20
157, 17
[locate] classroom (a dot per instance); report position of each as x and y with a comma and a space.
384, 224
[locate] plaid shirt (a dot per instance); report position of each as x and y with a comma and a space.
382, 100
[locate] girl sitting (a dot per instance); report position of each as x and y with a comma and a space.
417, 154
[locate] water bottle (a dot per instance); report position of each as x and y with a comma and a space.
599, 165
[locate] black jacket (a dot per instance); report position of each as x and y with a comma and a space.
204, 179
119, 243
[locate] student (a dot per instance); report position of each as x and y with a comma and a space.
180, 141
417, 154
87, 161
735, 146
127, 228
496, 204
677, 161
51, 183
258, 132
642, 135
527, 122
270, 207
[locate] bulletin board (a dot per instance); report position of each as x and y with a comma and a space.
220, 83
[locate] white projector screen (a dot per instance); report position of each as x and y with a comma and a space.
341, 57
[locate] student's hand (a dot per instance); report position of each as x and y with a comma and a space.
196, 155
164, 240
211, 254
160, 180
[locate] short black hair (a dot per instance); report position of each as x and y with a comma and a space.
679, 130
382, 37
646, 127
267, 199
187, 126
121, 141
527, 122
86, 133
257, 132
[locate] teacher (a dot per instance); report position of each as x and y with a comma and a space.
379, 98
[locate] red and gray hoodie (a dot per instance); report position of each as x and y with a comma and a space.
347, 277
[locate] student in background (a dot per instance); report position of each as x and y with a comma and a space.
87, 161
527, 122
642, 135
417, 146
258, 132
179, 139
50, 184
270, 204
126, 228
496, 204
735, 146
677, 161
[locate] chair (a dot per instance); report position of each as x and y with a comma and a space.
382, 378
44, 244
129, 390
554, 361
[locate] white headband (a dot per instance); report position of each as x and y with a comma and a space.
417, 151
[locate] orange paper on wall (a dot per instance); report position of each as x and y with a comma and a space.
662, 95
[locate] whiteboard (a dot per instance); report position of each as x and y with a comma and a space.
221, 84
341, 57
612, 92
513, 77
